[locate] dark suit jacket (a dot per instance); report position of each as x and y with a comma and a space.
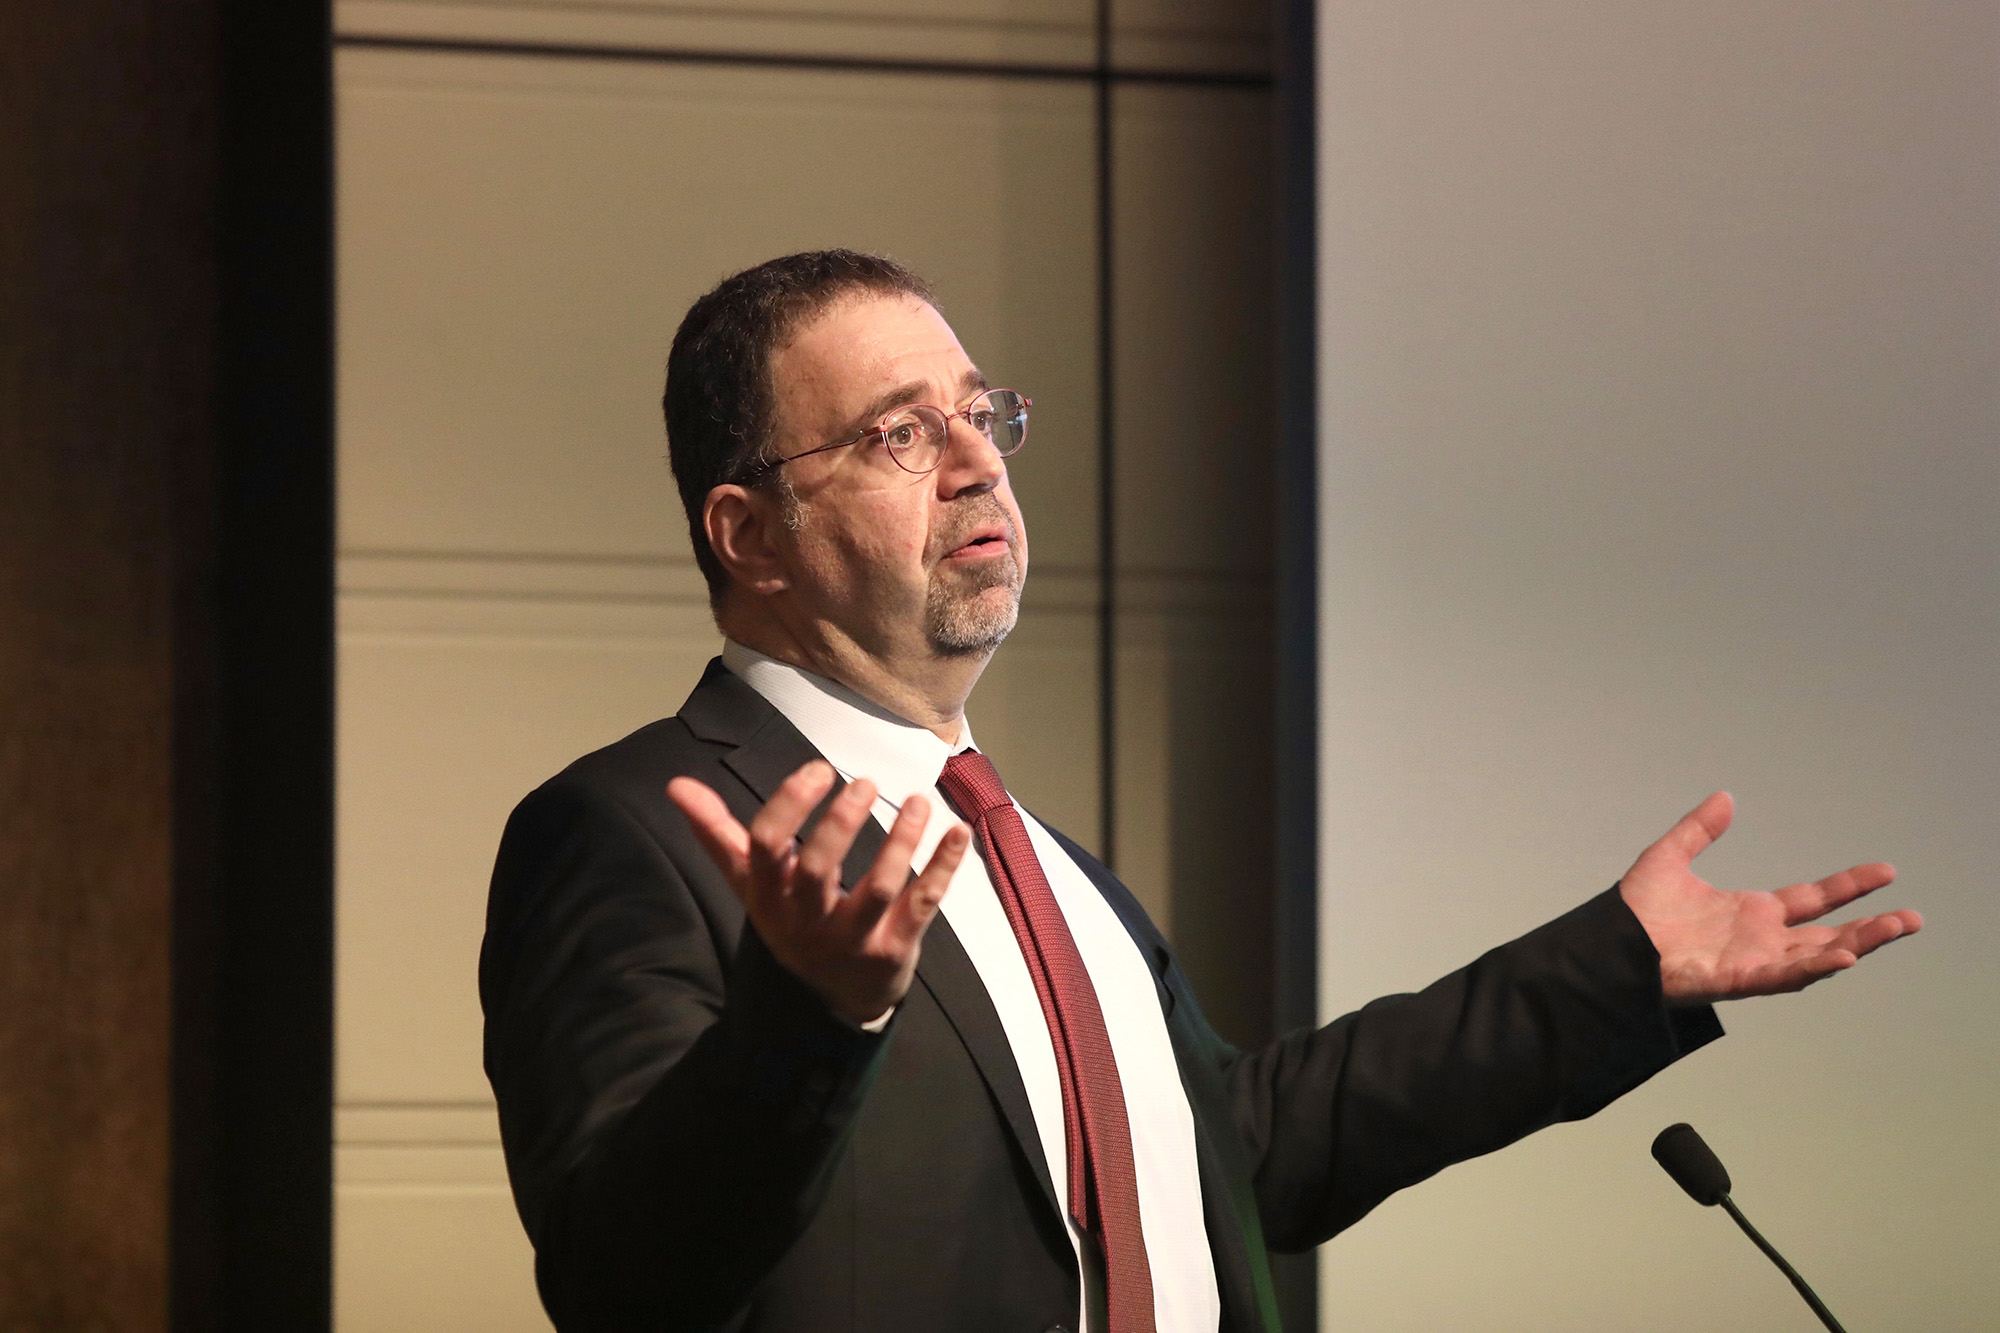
696, 1141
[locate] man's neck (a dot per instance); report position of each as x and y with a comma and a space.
930, 692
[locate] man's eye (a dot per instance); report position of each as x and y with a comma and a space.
901, 434
981, 419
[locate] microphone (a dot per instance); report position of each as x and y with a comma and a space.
1696, 1169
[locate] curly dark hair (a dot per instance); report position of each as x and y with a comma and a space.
719, 399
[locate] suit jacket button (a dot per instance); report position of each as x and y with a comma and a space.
1056, 1328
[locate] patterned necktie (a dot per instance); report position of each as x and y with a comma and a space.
1103, 1185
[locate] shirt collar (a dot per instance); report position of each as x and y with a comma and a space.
859, 738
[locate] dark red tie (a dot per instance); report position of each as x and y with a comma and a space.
1103, 1186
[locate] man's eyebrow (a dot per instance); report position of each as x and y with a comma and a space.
900, 396
972, 382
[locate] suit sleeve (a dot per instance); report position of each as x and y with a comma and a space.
1550, 1027
672, 1100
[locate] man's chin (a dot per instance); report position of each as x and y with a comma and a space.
967, 623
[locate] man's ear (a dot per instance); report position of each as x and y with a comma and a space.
743, 530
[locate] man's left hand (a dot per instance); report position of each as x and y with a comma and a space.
1718, 945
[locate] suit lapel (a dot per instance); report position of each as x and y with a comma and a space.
947, 972
767, 750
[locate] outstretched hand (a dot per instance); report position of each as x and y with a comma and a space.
856, 946
1718, 945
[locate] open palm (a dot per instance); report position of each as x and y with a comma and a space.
1720, 945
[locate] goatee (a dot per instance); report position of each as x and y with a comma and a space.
961, 614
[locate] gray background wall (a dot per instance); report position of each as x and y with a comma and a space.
1659, 408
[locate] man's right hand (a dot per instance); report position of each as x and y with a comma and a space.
857, 947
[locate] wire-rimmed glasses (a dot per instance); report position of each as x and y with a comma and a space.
915, 436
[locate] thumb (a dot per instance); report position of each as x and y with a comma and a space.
1698, 828
725, 840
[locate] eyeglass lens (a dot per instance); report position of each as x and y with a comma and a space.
916, 435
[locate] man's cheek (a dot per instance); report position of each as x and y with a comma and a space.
884, 551
1020, 525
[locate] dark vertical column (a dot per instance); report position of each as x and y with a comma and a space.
1295, 949
107, 167
165, 733
254, 1053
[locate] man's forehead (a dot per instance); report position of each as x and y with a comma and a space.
864, 347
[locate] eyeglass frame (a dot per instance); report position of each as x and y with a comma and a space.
759, 471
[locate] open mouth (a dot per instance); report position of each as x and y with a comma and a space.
984, 543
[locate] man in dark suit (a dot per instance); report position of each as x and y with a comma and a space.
757, 1069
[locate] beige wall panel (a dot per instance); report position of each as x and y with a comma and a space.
1145, 768
1023, 12
933, 33
432, 1259
1035, 709
1214, 18
1195, 547
1217, 36
1194, 301
444, 1256
520, 237
1195, 768
441, 733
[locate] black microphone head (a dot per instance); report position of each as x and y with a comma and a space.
1688, 1160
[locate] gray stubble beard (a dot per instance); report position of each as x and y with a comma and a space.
958, 619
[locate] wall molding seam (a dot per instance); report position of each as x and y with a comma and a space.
858, 64
940, 36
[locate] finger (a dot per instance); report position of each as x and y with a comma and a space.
1698, 828
911, 914
868, 900
1796, 976
826, 848
1809, 902
725, 840
1834, 951
773, 829
1870, 933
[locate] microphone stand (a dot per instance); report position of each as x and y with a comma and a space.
1771, 1253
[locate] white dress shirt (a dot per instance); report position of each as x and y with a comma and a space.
860, 740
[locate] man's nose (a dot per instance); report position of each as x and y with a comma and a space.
971, 462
